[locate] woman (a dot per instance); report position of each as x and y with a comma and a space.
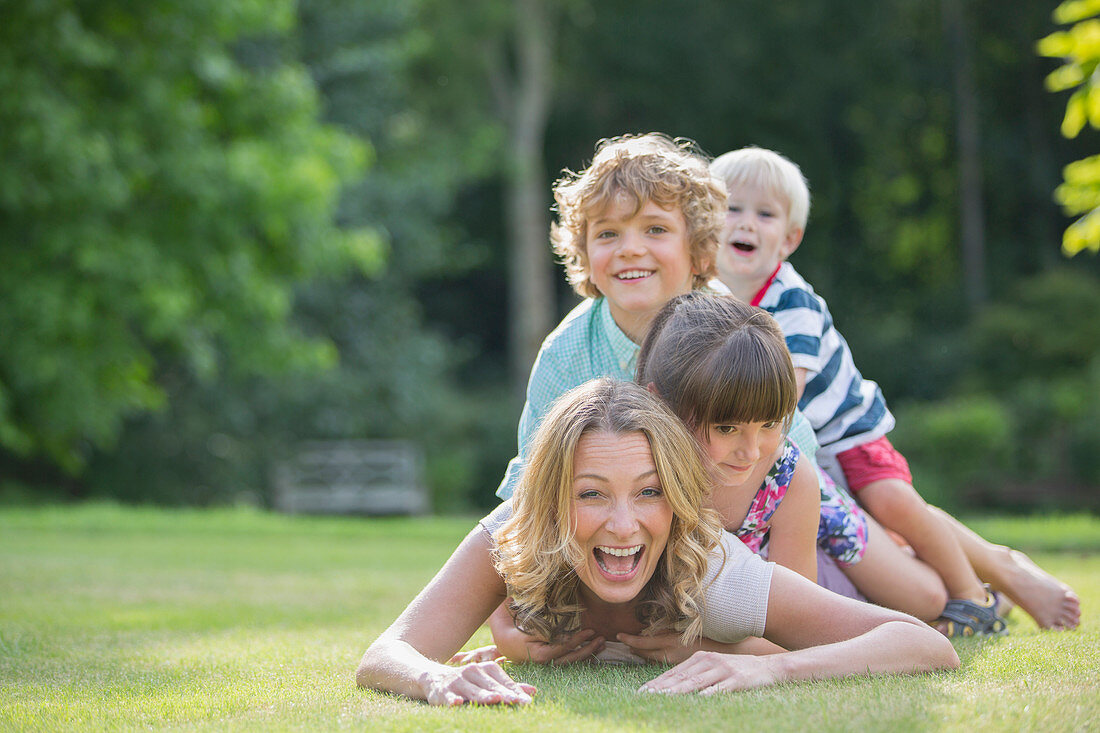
607, 532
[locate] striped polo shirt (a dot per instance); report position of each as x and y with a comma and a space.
845, 409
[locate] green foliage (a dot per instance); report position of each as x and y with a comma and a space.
394, 377
154, 140
160, 201
1023, 430
1079, 49
1045, 367
953, 447
1030, 335
417, 351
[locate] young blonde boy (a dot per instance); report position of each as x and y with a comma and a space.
766, 216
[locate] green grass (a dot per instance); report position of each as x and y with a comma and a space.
124, 618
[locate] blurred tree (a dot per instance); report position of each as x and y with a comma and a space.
1079, 48
419, 357
861, 94
523, 102
497, 59
404, 332
159, 202
968, 145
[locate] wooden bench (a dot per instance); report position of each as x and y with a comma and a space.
352, 477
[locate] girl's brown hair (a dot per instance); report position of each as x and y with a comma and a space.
718, 361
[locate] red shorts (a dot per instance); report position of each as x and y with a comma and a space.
873, 461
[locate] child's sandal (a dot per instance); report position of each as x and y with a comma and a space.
967, 618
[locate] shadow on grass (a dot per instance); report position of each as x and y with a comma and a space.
599, 696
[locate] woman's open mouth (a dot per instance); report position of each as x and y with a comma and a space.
618, 560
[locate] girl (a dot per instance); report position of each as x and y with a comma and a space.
607, 532
724, 368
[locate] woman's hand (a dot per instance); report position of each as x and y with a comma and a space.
710, 672
519, 647
484, 683
571, 649
661, 648
481, 654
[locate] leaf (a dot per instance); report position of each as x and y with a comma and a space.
1073, 11
1057, 44
1075, 115
1083, 234
1064, 77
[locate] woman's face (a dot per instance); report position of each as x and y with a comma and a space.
619, 514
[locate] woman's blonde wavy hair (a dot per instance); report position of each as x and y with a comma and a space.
650, 167
536, 552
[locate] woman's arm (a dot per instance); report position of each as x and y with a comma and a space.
792, 541
834, 637
667, 649
406, 658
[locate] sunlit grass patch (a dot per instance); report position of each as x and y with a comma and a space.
114, 618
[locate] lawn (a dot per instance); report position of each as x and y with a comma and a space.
124, 618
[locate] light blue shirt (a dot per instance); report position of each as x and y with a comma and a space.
586, 345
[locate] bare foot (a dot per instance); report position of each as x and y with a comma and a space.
1049, 601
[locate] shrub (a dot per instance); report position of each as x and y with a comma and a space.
958, 449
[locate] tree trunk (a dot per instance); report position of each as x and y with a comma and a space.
968, 142
1045, 225
531, 290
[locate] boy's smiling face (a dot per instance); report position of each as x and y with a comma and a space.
638, 261
758, 235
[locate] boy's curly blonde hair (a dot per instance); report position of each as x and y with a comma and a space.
651, 167
536, 552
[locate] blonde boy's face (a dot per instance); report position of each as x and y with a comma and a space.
638, 261
757, 236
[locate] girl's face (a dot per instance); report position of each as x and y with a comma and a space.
619, 514
739, 448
